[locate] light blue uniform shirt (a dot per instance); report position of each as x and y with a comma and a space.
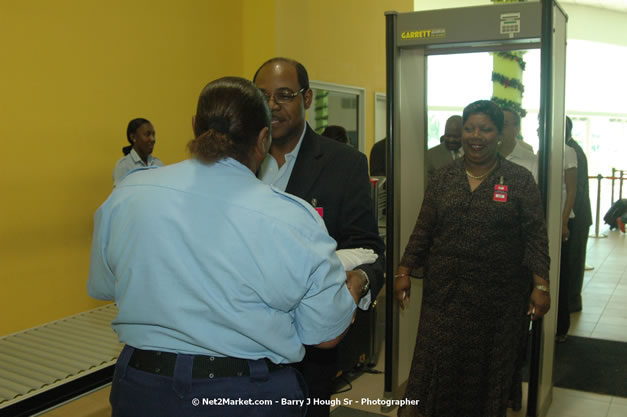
206, 259
131, 162
270, 173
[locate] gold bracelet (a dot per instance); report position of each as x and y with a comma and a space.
401, 275
542, 288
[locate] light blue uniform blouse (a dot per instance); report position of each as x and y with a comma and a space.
131, 162
206, 259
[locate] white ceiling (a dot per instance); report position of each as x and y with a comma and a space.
620, 5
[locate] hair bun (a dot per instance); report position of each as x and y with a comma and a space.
219, 124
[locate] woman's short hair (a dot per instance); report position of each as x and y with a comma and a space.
230, 114
487, 107
132, 127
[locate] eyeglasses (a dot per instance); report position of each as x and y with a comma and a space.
282, 96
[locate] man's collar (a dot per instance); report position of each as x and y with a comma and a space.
296, 148
294, 151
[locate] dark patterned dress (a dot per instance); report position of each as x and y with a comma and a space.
478, 255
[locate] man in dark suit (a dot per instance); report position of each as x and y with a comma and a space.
581, 224
330, 176
377, 158
450, 147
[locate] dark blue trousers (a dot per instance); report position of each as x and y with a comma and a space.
136, 393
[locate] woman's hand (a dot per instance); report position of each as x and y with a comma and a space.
402, 286
540, 300
539, 303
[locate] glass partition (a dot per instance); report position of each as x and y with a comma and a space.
339, 105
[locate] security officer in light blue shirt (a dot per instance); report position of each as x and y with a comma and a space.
141, 136
219, 278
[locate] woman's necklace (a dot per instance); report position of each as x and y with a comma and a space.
482, 176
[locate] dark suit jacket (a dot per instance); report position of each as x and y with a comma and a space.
377, 158
336, 176
582, 209
436, 158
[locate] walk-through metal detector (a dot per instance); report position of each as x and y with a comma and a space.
410, 39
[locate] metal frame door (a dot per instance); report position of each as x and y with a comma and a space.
410, 39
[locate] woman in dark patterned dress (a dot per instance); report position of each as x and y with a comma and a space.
480, 237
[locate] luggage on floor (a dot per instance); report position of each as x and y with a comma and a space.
618, 209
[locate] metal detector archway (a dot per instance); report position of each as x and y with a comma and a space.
410, 39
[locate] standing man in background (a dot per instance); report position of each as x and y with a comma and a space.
511, 148
377, 158
569, 195
333, 178
450, 147
580, 225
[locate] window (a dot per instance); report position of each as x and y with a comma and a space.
340, 105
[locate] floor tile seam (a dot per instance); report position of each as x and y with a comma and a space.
618, 326
601, 284
588, 322
620, 319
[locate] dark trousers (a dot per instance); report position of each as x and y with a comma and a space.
578, 242
319, 368
563, 311
136, 393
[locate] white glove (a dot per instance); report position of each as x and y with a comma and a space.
352, 258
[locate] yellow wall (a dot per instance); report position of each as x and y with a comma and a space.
259, 34
340, 42
74, 72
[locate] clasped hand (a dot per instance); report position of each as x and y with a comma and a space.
402, 286
539, 304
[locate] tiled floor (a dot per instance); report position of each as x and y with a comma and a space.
604, 316
566, 403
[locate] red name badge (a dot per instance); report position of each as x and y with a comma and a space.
500, 193
320, 211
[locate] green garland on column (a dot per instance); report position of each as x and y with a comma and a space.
510, 104
321, 110
508, 55
508, 82
507, 75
